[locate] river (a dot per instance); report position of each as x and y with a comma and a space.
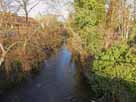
58, 81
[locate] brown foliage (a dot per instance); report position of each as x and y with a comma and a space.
118, 23
25, 47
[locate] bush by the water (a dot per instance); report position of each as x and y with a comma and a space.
111, 42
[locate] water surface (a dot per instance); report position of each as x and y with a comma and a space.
58, 81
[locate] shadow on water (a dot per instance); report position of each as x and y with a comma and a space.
58, 81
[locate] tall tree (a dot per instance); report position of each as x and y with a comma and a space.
89, 14
134, 9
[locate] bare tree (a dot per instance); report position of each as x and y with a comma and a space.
8, 6
26, 6
5, 6
119, 18
134, 9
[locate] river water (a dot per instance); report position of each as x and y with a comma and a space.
58, 81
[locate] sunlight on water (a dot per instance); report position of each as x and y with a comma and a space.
57, 82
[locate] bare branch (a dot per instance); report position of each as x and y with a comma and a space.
33, 6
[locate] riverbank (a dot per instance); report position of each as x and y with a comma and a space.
16, 78
107, 84
102, 87
24, 46
102, 35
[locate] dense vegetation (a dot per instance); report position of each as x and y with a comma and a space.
102, 39
109, 37
24, 46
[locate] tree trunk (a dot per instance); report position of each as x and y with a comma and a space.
2, 57
1, 61
26, 18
